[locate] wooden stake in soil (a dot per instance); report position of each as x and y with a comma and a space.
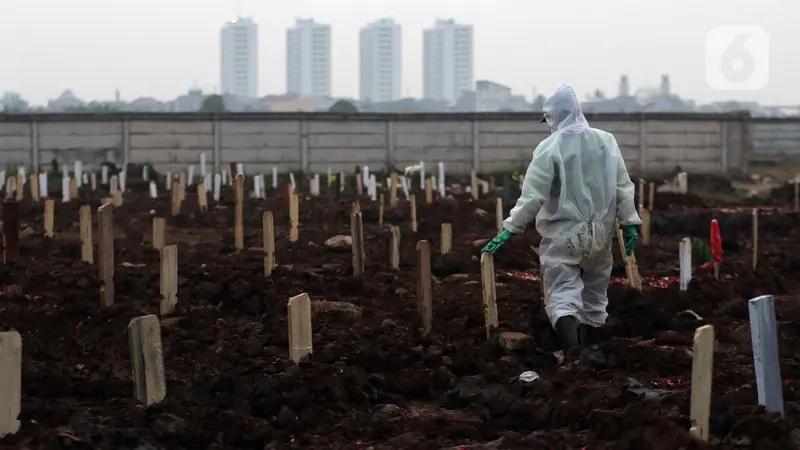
238, 227
238, 223
428, 191
73, 189
159, 233
755, 239
239, 187
489, 293
294, 218
116, 194
20, 187
176, 197
268, 224
796, 196
447, 238
652, 197
644, 214
93, 181
105, 253
357, 237
87, 252
764, 336
169, 279
498, 214
631, 269
49, 213
393, 191
202, 197
34, 182
10, 381
413, 201
182, 185
10, 231
380, 210
394, 248
147, 359
424, 289
300, 336
702, 374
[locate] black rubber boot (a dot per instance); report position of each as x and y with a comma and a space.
567, 331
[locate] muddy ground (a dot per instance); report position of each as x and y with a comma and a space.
373, 382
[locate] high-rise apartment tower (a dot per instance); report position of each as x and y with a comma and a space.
308, 59
381, 59
239, 58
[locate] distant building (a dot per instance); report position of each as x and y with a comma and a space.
666, 87
146, 104
624, 87
447, 60
66, 101
380, 70
288, 103
492, 97
237, 103
189, 102
308, 59
239, 58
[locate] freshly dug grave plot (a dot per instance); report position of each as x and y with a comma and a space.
372, 380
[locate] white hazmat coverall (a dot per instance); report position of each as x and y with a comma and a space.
574, 186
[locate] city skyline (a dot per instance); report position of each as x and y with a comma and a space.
148, 48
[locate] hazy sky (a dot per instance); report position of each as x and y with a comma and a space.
161, 48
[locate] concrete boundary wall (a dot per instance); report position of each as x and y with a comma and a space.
776, 140
313, 142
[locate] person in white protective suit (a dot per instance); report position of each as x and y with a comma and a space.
575, 185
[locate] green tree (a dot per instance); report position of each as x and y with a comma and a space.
213, 104
343, 107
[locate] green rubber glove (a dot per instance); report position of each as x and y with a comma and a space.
629, 237
497, 242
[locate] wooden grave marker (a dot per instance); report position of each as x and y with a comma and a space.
159, 233
10, 381
394, 247
147, 359
489, 293
300, 331
85, 224
169, 279
294, 217
447, 238
105, 253
764, 336
357, 237
424, 288
268, 223
702, 375
49, 218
